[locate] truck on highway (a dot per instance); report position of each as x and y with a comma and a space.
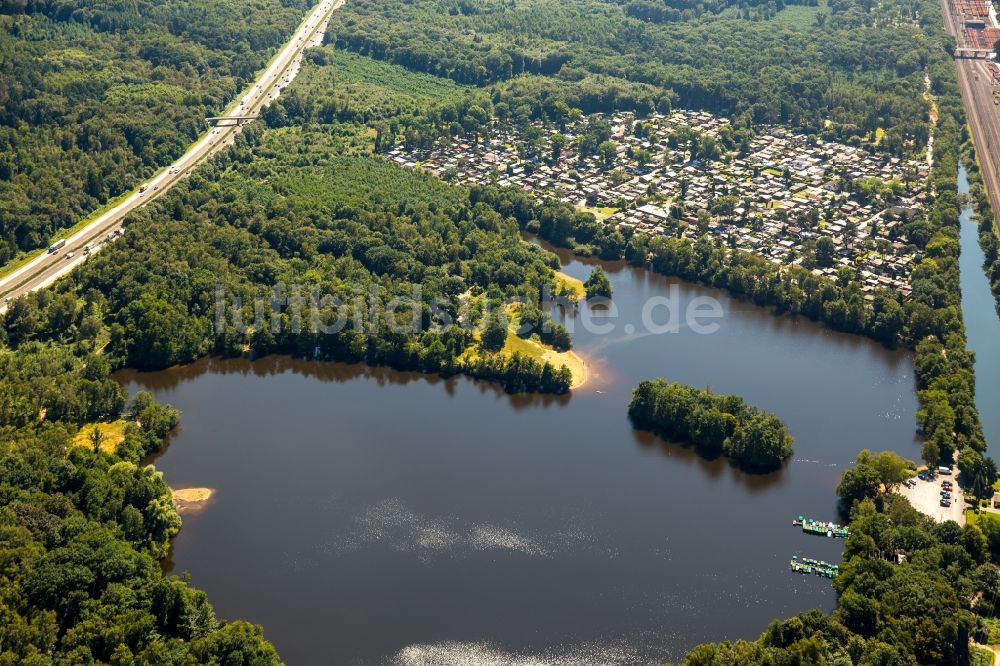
57, 245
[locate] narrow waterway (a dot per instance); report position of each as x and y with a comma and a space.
366, 516
982, 325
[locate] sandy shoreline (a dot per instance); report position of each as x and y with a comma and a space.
577, 366
191, 500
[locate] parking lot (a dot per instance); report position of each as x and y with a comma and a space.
925, 496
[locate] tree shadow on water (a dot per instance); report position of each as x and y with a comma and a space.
325, 371
716, 470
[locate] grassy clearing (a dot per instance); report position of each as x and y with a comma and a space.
979, 656
542, 353
113, 434
800, 17
973, 518
571, 284
373, 88
600, 213
993, 629
534, 349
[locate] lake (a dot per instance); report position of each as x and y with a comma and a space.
366, 516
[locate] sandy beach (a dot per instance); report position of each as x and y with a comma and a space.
191, 500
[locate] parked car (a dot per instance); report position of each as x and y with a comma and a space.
945, 495
945, 503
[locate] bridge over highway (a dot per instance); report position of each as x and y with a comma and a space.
973, 54
229, 121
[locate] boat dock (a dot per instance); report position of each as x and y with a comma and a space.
807, 565
820, 528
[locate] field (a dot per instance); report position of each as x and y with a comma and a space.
112, 434
801, 16
539, 352
980, 656
599, 213
373, 89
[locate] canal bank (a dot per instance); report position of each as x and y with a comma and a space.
982, 325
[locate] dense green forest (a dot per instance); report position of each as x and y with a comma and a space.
849, 68
83, 525
333, 233
716, 425
95, 96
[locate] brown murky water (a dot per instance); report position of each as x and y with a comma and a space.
366, 516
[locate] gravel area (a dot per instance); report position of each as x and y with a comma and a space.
926, 498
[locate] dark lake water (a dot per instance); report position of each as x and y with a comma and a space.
365, 516
982, 326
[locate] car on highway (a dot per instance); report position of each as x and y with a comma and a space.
70, 255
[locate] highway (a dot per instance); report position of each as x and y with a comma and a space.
46, 268
983, 114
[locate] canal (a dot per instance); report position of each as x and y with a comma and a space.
368, 516
982, 326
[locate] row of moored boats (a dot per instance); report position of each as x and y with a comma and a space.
808, 565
